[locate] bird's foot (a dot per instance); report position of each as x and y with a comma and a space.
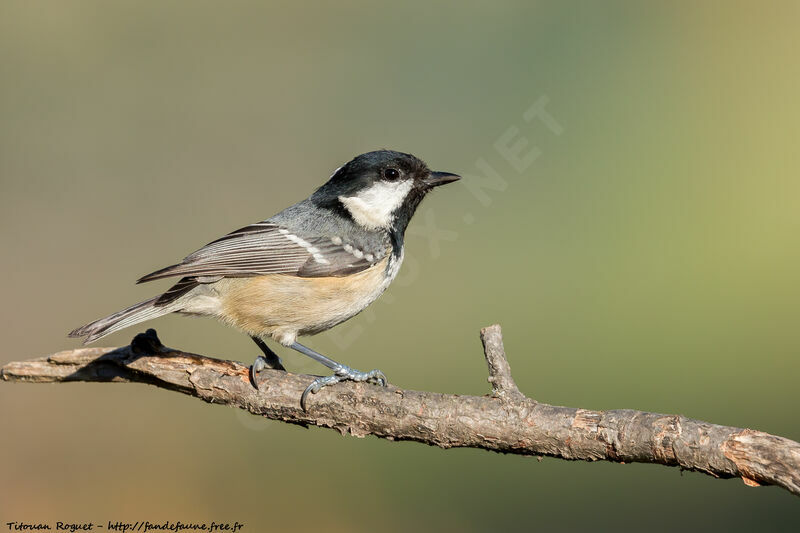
260, 364
342, 373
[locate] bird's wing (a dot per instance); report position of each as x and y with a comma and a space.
267, 248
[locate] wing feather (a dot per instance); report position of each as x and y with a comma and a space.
267, 248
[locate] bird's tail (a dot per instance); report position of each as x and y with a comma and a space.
121, 319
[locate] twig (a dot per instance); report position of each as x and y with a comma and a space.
506, 422
503, 385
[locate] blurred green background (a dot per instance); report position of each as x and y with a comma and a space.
647, 257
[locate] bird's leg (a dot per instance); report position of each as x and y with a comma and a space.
269, 360
341, 373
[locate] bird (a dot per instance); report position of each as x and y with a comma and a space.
302, 271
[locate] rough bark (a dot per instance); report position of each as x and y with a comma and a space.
506, 421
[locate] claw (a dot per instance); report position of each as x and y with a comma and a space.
258, 365
342, 373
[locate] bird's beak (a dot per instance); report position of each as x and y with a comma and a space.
435, 179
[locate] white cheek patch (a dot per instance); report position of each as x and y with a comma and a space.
374, 208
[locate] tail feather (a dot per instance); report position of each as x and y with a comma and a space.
122, 319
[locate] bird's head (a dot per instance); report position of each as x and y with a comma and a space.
381, 190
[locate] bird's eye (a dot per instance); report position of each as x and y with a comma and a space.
391, 173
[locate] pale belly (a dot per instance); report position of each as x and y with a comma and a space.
284, 307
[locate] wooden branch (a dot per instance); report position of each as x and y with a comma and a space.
506, 422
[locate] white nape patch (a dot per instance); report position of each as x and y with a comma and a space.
374, 208
313, 250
